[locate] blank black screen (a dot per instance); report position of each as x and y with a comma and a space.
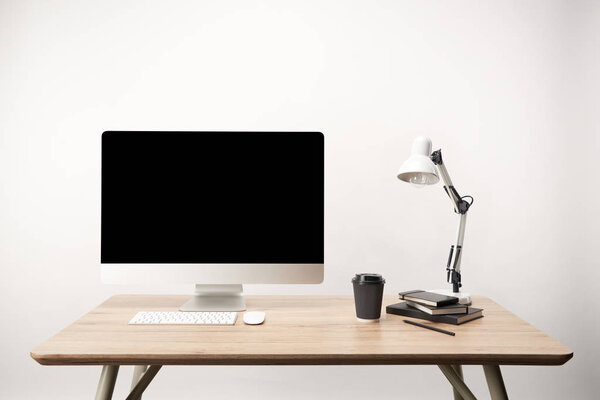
212, 197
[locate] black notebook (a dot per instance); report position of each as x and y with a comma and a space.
428, 298
454, 319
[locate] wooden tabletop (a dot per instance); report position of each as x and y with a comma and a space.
299, 330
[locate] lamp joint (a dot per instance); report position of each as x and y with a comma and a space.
436, 157
463, 206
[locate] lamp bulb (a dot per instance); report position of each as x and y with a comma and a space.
419, 180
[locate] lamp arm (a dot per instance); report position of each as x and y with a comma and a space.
461, 206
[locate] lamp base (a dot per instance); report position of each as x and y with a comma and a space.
463, 298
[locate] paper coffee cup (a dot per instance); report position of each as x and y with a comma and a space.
368, 295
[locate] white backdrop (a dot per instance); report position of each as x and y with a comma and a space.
509, 90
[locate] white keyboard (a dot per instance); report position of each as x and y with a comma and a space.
183, 318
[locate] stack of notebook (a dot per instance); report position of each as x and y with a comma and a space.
434, 307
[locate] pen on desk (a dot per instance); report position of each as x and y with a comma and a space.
433, 328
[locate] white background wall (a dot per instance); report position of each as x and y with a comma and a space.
509, 90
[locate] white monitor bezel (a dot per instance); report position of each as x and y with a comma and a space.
211, 273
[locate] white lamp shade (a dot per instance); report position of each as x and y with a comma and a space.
419, 169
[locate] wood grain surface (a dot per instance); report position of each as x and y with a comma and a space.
299, 330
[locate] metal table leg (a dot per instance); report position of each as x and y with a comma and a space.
459, 372
456, 382
138, 372
136, 392
106, 385
493, 376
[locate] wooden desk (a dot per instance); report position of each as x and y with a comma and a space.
299, 330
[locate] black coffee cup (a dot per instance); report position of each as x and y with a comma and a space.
368, 294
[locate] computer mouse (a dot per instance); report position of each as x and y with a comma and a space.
254, 317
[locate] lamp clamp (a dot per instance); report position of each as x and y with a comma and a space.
452, 273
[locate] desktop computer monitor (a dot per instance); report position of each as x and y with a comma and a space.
215, 209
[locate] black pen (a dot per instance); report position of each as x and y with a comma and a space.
433, 328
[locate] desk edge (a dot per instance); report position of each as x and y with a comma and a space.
303, 359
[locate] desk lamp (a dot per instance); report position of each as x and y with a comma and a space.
425, 168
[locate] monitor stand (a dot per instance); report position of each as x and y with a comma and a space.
216, 298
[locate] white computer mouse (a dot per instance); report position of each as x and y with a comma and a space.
254, 317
